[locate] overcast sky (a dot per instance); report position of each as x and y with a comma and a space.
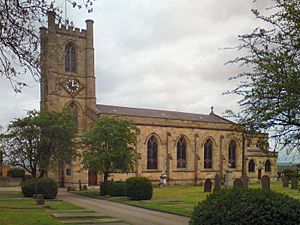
160, 54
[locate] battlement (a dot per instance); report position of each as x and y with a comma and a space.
70, 30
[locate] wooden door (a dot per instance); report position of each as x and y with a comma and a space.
259, 174
93, 178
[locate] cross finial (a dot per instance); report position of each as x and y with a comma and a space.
212, 110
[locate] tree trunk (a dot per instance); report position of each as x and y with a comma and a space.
106, 175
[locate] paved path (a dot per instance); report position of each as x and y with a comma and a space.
130, 214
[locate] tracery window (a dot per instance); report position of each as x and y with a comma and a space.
251, 166
181, 153
268, 166
152, 153
208, 145
73, 108
70, 57
232, 154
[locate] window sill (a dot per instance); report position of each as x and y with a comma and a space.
152, 171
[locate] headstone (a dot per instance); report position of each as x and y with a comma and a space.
40, 199
207, 185
80, 187
265, 182
294, 183
228, 180
217, 183
84, 188
285, 181
238, 183
34, 196
245, 180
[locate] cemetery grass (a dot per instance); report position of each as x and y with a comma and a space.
14, 209
179, 199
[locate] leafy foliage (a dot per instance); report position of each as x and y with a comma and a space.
116, 188
39, 140
45, 186
20, 21
110, 146
139, 188
246, 206
270, 83
16, 172
29, 187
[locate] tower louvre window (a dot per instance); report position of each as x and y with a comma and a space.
70, 57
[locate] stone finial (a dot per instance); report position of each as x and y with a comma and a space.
211, 110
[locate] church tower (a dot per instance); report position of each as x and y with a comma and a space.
68, 82
67, 70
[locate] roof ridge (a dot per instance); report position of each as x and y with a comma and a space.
162, 110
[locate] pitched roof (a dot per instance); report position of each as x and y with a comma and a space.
162, 114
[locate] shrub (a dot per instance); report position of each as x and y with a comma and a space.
246, 206
103, 188
45, 186
29, 187
48, 187
16, 172
116, 188
138, 188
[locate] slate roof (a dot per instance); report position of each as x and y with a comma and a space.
162, 114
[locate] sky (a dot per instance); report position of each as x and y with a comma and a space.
157, 54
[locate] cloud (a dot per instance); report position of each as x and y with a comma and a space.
157, 54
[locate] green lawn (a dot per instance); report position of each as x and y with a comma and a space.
179, 199
18, 214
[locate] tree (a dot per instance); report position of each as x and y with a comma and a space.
40, 140
110, 146
19, 36
270, 83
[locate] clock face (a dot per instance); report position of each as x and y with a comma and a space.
72, 86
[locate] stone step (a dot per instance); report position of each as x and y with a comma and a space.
95, 221
77, 215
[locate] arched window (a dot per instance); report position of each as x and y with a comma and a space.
73, 108
208, 154
152, 153
258, 144
181, 153
70, 58
232, 154
251, 166
268, 166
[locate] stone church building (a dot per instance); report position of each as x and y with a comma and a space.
187, 147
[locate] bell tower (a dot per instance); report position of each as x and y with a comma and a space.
67, 70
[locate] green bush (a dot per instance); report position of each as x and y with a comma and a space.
48, 187
103, 188
45, 186
16, 172
29, 187
116, 188
246, 206
138, 188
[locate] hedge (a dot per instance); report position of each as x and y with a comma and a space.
16, 172
116, 188
45, 186
247, 206
138, 188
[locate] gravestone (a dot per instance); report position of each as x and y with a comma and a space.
217, 183
84, 188
265, 182
245, 180
285, 182
40, 199
238, 183
80, 186
228, 178
207, 185
294, 183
